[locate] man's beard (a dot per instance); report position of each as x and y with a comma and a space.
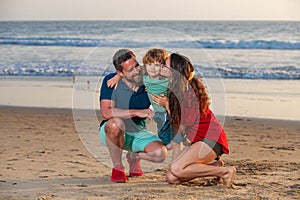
133, 80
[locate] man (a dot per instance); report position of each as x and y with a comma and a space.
124, 111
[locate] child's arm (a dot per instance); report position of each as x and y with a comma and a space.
113, 82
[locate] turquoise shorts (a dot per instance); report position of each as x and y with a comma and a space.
134, 142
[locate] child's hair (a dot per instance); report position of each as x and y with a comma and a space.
155, 55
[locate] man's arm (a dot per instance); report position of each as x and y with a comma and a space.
109, 111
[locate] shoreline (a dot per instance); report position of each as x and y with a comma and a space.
272, 99
230, 117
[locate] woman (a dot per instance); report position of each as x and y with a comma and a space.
189, 112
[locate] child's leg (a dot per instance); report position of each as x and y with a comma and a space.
160, 119
165, 132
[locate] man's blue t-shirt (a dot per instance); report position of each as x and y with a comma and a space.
125, 98
106, 92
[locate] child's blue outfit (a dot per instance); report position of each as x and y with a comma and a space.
165, 132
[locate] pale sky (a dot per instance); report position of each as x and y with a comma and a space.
150, 10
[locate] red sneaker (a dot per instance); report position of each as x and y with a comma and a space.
134, 165
118, 174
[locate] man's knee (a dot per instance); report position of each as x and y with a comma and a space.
160, 154
114, 127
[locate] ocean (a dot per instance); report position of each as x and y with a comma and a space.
251, 68
228, 49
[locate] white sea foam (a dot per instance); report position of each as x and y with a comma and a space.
239, 50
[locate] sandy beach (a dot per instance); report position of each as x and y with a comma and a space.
43, 157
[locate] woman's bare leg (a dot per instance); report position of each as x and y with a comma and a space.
193, 163
219, 163
176, 147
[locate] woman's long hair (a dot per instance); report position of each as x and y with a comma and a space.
182, 81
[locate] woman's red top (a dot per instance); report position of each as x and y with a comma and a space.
199, 126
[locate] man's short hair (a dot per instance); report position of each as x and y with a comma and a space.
120, 56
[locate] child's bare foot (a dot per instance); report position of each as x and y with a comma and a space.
229, 176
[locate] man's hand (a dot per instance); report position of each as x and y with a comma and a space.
146, 113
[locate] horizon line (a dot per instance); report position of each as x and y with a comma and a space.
216, 20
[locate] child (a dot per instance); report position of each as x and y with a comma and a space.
157, 84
